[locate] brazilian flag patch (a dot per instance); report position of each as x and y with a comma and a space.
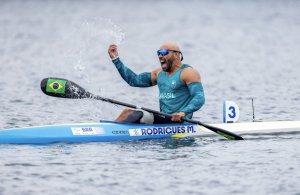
56, 86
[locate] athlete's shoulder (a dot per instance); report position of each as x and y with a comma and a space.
157, 70
189, 69
190, 75
154, 75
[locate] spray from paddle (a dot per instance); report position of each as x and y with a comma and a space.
86, 41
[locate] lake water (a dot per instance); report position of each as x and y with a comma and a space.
242, 49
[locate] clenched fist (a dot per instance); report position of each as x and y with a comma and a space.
113, 51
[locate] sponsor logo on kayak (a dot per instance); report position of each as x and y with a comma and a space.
162, 130
119, 132
87, 130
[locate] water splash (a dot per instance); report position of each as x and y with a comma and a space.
104, 28
87, 42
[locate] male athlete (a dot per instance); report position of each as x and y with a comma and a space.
180, 89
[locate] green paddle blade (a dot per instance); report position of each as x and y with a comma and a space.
58, 87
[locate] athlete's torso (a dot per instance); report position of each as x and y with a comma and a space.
173, 92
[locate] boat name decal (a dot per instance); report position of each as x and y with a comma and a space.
162, 130
87, 130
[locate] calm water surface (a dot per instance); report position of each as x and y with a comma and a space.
243, 50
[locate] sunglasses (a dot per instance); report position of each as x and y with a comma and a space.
165, 52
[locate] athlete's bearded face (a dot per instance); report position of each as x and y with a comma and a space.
167, 62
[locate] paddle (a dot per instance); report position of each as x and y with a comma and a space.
63, 88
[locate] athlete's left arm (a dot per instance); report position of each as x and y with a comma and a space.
193, 80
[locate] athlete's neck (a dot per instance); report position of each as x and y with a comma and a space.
174, 68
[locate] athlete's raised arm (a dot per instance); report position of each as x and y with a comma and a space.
133, 79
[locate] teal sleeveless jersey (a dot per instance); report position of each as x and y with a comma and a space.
174, 94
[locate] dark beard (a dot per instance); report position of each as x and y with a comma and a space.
169, 64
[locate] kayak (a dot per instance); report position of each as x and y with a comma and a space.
109, 131
105, 131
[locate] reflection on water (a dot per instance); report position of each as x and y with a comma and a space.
178, 142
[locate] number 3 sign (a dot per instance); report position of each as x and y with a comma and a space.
231, 112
